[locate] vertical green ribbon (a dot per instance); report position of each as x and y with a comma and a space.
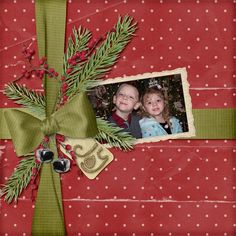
48, 216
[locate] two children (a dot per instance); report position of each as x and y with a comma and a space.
156, 120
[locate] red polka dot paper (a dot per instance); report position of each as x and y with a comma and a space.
175, 187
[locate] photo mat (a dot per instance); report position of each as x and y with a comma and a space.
174, 86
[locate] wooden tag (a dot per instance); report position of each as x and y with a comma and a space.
92, 157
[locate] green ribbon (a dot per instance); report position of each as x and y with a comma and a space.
50, 25
75, 119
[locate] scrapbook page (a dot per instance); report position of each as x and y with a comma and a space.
117, 117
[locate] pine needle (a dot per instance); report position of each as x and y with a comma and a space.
19, 180
105, 57
30, 99
114, 135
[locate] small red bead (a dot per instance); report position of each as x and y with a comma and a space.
78, 54
69, 70
46, 139
51, 70
73, 63
65, 98
64, 85
68, 147
72, 153
83, 54
31, 51
27, 75
43, 58
60, 138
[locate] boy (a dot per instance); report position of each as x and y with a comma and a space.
126, 100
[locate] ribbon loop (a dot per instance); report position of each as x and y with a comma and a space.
49, 126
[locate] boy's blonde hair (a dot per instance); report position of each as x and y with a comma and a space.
159, 92
129, 84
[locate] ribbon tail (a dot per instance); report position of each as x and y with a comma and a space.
48, 214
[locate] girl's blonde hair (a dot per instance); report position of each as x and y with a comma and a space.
159, 92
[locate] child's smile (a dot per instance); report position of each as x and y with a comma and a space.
154, 105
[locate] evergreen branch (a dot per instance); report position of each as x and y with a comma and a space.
114, 135
30, 99
19, 180
77, 42
105, 57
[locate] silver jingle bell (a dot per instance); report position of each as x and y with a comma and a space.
61, 165
44, 155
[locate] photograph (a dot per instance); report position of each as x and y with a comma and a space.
150, 107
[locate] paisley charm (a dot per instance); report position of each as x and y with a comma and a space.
90, 162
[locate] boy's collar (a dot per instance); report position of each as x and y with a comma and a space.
120, 121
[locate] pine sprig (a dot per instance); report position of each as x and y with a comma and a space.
19, 180
77, 42
29, 99
113, 135
105, 57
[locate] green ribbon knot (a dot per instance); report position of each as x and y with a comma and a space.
75, 119
49, 126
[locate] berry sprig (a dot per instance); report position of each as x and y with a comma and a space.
31, 70
60, 139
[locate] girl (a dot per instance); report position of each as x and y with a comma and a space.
156, 120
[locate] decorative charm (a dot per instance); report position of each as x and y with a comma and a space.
44, 155
90, 155
61, 165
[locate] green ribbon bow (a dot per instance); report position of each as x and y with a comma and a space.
75, 119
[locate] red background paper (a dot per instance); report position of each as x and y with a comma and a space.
175, 187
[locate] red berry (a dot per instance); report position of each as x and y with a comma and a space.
51, 70
42, 72
37, 161
65, 98
45, 66
24, 49
73, 57
73, 63
64, 86
41, 62
23, 71
56, 74
72, 153
68, 147
31, 51
46, 139
27, 75
91, 43
69, 70
60, 137
78, 55
62, 78
83, 54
